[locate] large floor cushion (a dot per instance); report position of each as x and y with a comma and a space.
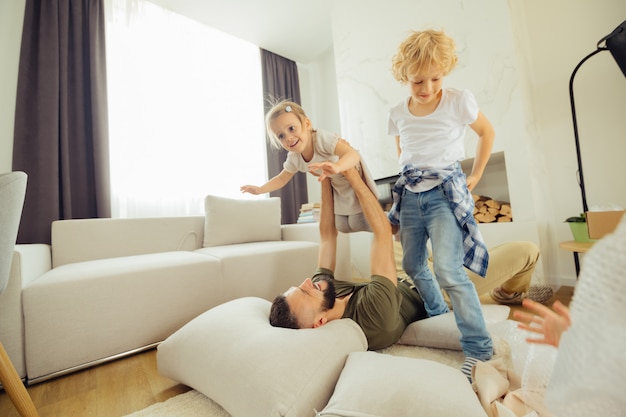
442, 331
235, 357
88, 311
374, 384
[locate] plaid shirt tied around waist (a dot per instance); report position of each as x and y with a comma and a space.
454, 187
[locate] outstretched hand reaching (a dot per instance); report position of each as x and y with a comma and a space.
549, 323
252, 189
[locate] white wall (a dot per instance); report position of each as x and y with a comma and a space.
11, 21
517, 59
551, 37
363, 51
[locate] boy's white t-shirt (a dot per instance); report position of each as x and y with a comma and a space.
435, 140
345, 200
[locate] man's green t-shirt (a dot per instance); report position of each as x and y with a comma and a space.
381, 309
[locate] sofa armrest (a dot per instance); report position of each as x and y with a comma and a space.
29, 263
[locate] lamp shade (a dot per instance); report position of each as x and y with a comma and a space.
616, 44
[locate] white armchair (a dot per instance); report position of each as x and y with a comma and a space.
12, 193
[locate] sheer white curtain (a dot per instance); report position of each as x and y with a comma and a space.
185, 112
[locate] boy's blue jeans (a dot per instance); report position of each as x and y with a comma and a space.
429, 215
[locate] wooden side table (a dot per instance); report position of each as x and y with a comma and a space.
576, 248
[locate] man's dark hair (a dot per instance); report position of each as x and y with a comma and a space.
281, 315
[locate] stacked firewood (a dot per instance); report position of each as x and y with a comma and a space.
488, 210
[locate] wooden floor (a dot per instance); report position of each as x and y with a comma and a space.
123, 386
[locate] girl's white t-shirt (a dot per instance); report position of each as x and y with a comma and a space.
436, 140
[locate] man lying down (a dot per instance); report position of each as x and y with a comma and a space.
382, 307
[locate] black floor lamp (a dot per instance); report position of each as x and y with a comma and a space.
615, 42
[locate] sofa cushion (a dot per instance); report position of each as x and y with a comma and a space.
264, 269
229, 220
234, 356
376, 384
87, 311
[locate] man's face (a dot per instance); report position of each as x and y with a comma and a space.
329, 293
310, 299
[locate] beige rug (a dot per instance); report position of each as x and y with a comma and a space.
195, 404
190, 404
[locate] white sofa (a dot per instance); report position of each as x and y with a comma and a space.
106, 288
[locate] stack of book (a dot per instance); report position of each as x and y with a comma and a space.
309, 213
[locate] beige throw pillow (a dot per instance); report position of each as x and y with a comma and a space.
229, 221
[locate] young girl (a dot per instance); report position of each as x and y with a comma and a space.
321, 153
436, 204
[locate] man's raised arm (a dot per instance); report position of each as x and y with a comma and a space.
327, 256
382, 261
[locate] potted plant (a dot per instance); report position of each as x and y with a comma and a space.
578, 226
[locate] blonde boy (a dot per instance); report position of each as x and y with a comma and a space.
432, 198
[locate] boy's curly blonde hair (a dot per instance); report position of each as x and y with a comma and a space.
424, 50
278, 108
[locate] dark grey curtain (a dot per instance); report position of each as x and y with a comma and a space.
280, 81
61, 126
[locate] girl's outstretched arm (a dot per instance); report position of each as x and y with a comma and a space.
279, 181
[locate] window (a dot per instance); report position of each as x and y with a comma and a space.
185, 112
